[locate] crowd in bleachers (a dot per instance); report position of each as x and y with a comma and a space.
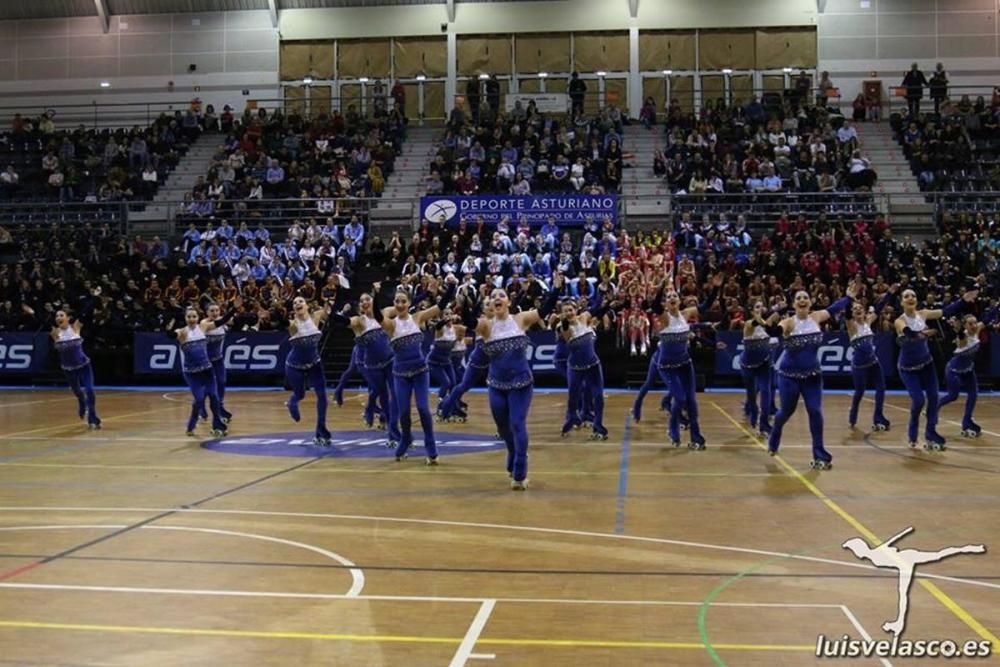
42, 163
761, 148
525, 152
320, 167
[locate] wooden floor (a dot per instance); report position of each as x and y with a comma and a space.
134, 545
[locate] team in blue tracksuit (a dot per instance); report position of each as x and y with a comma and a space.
197, 370
76, 365
475, 372
866, 371
960, 374
303, 365
216, 337
439, 357
585, 375
675, 365
411, 376
755, 364
652, 375
916, 365
800, 375
510, 380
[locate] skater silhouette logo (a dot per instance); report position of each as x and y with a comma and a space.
905, 562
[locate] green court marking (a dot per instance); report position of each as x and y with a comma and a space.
714, 593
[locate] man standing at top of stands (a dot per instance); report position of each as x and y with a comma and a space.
472, 96
577, 91
914, 82
493, 93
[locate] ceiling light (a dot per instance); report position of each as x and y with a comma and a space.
542, 75
727, 71
484, 76
363, 79
787, 70
105, 84
668, 72
308, 80
601, 73
421, 77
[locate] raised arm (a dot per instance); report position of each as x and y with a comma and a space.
835, 308
953, 308
532, 317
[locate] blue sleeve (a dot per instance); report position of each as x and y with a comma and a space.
838, 306
953, 308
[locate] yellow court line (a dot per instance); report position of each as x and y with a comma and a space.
406, 639
80, 423
374, 471
930, 587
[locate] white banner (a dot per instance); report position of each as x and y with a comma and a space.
545, 102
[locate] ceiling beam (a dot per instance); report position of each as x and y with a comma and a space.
272, 9
102, 14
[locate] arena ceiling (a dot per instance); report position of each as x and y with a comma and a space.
41, 9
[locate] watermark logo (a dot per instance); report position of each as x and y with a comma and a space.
904, 561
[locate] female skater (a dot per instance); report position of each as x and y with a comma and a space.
560, 360
216, 337
755, 362
356, 367
411, 378
374, 358
76, 365
960, 373
865, 367
197, 370
652, 375
303, 364
916, 365
584, 367
475, 372
676, 368
446, 335
510, 380
799, 372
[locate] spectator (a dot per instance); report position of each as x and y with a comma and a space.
939, 87
914, 83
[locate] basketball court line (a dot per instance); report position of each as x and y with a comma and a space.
929, 586
78, 423
491, 526
861, 630
948, 421
47, 400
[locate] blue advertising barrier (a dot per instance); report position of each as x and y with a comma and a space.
23, 353
264, 353
246, 352
835, 354
566, 209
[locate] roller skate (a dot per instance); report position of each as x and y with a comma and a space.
820, 464
459, 416
293, 409
440, 416
971, 429
665, 403
516, 485
322, 437
94, 425
881, 424
203, 413
338, 397
636, 412
600, 433
463, 405
82, 409
772, 451
675, 444
401, 457
366, 422
190, 434
391, 444
570, 424
934, 442
764, 431
697, 443
227, 416
382, 424
218, 432
912, 444
430, 460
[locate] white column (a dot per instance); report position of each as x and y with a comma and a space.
451, 82
634, 77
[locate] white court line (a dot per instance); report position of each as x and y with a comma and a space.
145, 590
482, 656
494, 526
949, 421
464, 651
48, 400
357, 575
861, 630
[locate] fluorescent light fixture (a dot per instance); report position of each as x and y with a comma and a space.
787, 70
421, 77
483, 77
363, 79
542, 75
668, 72
105, 84
308, 80
727, 71
601, 73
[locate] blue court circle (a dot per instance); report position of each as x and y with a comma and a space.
346, 444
